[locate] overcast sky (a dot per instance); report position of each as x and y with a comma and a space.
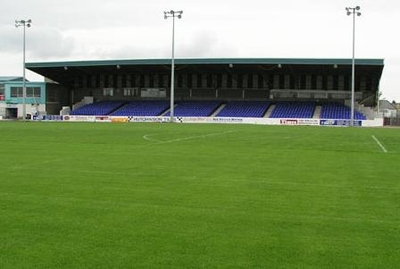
68, 30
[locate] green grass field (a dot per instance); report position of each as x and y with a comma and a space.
97, 195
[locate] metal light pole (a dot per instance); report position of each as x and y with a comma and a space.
353, 11
24, 24
172, 14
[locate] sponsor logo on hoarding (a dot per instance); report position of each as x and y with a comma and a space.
101, 118
308, 122
289, 121
147, 119
340, 122
48, 117
81, 118
124, 119
222, 119
191, 119
327, 122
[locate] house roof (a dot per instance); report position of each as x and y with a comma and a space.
385, 104
4, 79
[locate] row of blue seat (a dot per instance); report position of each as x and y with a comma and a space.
253, 109
195, 108
98, 108
339, 111
142, 108
293, 110
207, 108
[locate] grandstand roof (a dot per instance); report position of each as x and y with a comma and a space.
62, 71
194, 61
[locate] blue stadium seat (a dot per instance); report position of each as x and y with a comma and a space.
293, 110
142, 108
336, 110
253, 109
98, 109
195, 108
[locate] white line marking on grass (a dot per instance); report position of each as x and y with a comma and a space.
195, 137
147, 137
379, 144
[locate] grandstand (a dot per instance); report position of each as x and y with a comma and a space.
223, 88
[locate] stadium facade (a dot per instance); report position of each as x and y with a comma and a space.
69, 84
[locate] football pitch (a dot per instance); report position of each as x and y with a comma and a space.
151, 195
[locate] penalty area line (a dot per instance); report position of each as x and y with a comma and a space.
379, 144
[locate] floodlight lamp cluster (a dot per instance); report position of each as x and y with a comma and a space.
353, 10
172, 13
24, 23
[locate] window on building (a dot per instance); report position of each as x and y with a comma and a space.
129, 91
240, 81
260, 81
115, 81
292, 83
16, 91
313, 82
199, 80
151, 80
189, 81
108, 91
219, 80
33, 92
209, 80
98, 81
141, 81
271, 79
250, 81
336, 82
179, 81
161, 81
347, 83
281, 81
2, 91
303, 82
229, 81
324, 83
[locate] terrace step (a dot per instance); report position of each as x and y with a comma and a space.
317, 112
218, 110
269, 111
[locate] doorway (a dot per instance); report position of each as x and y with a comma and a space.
11, 113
